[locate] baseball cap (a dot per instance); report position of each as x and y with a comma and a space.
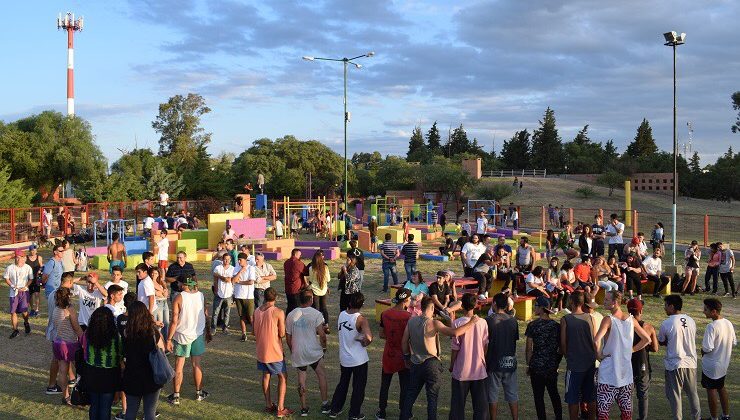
544, 303
33, 246
19, 253
401, 295
190, 282
634, 306
441, 273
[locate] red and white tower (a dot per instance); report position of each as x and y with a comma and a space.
69, 24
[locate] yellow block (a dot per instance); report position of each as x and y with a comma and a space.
397, 234
524, 309
217, 225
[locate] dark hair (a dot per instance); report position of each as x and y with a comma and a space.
713, 304
537, 271
675, 301
226, 254
501, 301
425, 302
577, 299
469, 301
140, 324
270, 294
62, 297
640, 234
410, 237
613, 216
294, 251
101, 330
115, 236
142, 267
353, 243
242, 256
387, 236
305, 296
114, 288
128, 299
146, 255
117, 268
356, 300
68, 275
525, 239
464, 233
567, 265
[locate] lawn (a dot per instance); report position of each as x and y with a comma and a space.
234, 383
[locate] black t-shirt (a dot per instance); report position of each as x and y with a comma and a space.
449, 244
597, 230
503, 333
138, 377
482, 260
545, 335
461, 241
180, 273
440, 292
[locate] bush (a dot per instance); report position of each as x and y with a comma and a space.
611, 180
493, 190
585, 192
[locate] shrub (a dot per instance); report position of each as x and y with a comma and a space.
585, 192
493, 190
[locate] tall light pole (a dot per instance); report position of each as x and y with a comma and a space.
69, 24
346, 61
673, 39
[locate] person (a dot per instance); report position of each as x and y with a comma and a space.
634, 272
372, 228
535, 285
261, 183
224, 274
228, 233
53, 387
164, 199
501, 357
614, 231
187, 337
678, 335
418, 289
69, 260
91, 297
514, 217
66, 336
586, 243
306, 338
19, 277
692, 255
410, 251
443, 296
163, 249
279, 229
117, 252
392, 325
354, 337
716, 353
460, 242
615, 380
36, 262
147, 224
712, 271
269, 331
654, 271
577, 344
598, 233
641, 368
483, 272
244, 293
294, 268
389, 253
726, 267
543, 357
145, 291
114, 302
448, 247
614, 273
141, 337
470, 253
481, 224
601, 275
360, 257
318, 280
103, 354
421, 351
265, 274
349, 281
117, 279
52, 272
178, 272
582, 271
658, 237
468, 365
551, 244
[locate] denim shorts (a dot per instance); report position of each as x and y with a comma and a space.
498, 380
275, 368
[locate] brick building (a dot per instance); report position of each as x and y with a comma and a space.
653, 182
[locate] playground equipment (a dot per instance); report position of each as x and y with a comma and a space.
305, 208
121, 226
490, 207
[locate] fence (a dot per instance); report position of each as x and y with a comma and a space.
540, 173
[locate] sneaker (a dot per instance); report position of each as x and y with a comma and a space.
120, 416
156, 414
27, 326
53, 390
244, 338
326, 408
304, 412
14, 334
271, 409
173, 399
380, 415
201, 395
358, 417
225, 330
333, 415
285, 412
726, 295
72, 382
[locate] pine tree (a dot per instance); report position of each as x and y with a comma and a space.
434, 141
610, 151
582, 138
459, 142
547, 147
417, 147
643, 144
515, 151
695, 164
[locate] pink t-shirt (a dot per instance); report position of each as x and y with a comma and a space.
470, 364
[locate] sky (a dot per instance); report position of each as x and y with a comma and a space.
493, 66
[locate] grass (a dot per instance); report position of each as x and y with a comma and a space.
234, 383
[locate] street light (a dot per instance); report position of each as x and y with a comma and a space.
673, 39
345, 61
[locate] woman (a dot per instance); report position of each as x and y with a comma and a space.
503, 267
318, 279
568, 280
601, 275
69, 262
103, 352
566, 241
551, 244
140, 338
692, 257
161, 294
553, 285
712, 268
535, 283
66, 339
658, 236
349, 281
586, 243
633, 271
418, 289
615, 273
633, 247
35, 261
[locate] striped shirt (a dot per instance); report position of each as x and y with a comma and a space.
388, 249
409, 251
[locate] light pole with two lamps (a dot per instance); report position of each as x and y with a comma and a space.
346, 61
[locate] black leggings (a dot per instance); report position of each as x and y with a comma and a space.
505, 277
634, 282
319, 303
540, 381
484, 281
727, 278
713, 273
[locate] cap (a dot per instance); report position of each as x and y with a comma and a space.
591, 304
19, 253
401, 295
32, 247
634, 306
441, 273
190, 282
544, 303
373, 217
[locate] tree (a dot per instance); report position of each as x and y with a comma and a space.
582, 138
736, 107
695, 164
161, 180
444, 176
643, 144
134, 168
367, 160
182, 140
582, 156
493, 190
610, 151
547, 148
516, 151
13, 193
417, 149
434, 141
459, 142
611, 180
104, 188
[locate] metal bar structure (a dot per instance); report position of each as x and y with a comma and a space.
286, 206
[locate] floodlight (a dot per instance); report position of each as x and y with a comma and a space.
670, 36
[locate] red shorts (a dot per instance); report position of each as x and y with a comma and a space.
163, 264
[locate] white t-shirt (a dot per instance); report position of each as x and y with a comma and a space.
89, 302
163, 249
245, 291
515, 215
719, 338
301, 324
472, 252
653, 265
148, 222
225, 289
146, 289
617, 238
19, 276
533, 281
278, 228
679, 333
481, 224
163, 198
123, 284
116, 311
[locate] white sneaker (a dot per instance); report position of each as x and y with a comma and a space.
486, 295
481, 297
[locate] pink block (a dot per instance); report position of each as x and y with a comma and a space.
253, 228
100, 250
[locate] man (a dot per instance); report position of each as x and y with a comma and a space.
501, 243
468, 365
145, 290
18, 277
577, 343
224, 275
410, 251
91, 296
726, 267
261, 183
164, 199
148, 223
654, 270
615, 380
117, 252
148, 258
481, 224
293, 268
231, 249
392, 325
244, 293
448, 247
551, 214
359, 257
641, 246
269, 330
265, 274
641, 369
53, 270
178, 272
115, 300
524, 257
501, 357
163, 249
117, 279
678, 334
470, 253
599, 235
388, 253
614, 232
420, 345
514, 217
443, 296
306, 337
483, 273
354, 337
190, 334
372, 228
543, 358
716, 352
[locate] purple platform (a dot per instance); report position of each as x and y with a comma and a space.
318, 244
329, 253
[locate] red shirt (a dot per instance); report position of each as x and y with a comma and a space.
293, 269
393, 322
583, 272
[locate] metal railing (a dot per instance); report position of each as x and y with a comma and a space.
509, 173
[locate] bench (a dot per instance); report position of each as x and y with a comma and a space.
523, 305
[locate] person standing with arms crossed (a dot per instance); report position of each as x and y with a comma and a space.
577, 344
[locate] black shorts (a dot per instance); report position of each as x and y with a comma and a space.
313, 366
34, 287
709, 383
